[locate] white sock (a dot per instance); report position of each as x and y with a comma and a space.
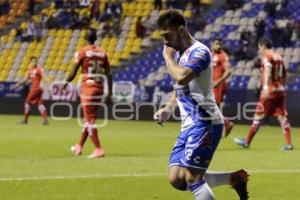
214, 179
203, 193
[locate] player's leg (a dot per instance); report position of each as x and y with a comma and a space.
93, 133
286, 129
237, 179
197, 185
90, 104
90, 115
43, 112
219, 94
228, 125
200, 147
281, 113
27, 108
26, 113
261, 110
77, 148
190, 158
41, 107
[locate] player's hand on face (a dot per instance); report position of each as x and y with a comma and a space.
162, 115
169, 52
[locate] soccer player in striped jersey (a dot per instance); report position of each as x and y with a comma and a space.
188, 62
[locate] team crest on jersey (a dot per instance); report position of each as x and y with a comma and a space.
205, 141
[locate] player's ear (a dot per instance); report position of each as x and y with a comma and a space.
181, 29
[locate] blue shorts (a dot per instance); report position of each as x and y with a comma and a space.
195, 147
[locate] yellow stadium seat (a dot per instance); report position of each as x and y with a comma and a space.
13, 32
82, 33
187, 13
24, 25
148, 6
116, 55
17, 45
53, 32
156, 35
68, 33
131, 34
125, 55
146, 13
137, 41
60, 33
115, 62
136, 49
3, 39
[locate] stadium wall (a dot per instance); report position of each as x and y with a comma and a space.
240, 106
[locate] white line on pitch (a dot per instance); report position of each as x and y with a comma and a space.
37, 178
79, 177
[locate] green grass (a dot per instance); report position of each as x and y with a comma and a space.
36, 164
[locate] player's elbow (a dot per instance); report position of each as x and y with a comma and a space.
182, 80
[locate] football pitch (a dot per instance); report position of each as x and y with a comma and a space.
36, 162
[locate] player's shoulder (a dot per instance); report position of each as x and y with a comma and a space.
40, 68
200, 50
223, 54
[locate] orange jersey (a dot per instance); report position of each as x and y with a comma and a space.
276, 83
35, 74
94, 63
220, 64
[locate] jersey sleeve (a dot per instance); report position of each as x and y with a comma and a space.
198, 60
266, 62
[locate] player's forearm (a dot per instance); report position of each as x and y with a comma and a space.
225, 76
172, 103
267, 75
70, 77
177, 73
22, 82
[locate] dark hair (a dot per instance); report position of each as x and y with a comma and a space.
91, 35
265, 42
218, 39
33, 57
171, 18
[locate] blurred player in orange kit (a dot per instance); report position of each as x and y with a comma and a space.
221, 72
35, 75
94, 65
272, 97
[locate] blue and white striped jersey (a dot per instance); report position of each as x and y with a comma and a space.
196, 100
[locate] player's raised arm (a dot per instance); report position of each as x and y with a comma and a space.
182, 75
72, 74
22, 82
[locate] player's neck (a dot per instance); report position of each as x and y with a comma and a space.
187, 43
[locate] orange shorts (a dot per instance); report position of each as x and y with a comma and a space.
90, 101
35, 96
271, 107
220, 92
